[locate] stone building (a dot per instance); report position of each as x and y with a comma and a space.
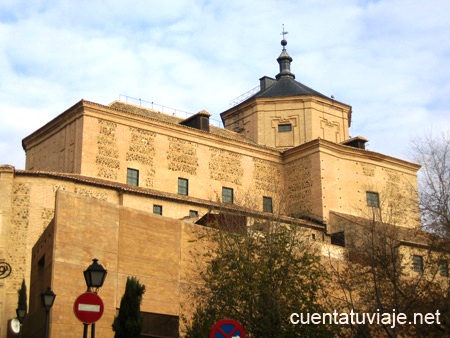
129, 185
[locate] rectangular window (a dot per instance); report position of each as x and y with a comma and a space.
133, 177
267, 204
157, 209
227, 195
282, 128
373, 199
443, 268
338, 238
417, 263
183, 186
193, 213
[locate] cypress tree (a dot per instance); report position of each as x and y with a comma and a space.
22, 296
128, 323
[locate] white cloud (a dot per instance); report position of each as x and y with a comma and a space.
388, 59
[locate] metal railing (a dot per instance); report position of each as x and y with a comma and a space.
163, 109
244, 96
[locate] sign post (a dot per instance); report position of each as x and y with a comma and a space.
88, 308
227, 328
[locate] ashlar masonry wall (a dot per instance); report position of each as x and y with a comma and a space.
163, 152
127, 242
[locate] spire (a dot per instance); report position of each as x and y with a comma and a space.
284, 60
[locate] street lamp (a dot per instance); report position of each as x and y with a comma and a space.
47, 299
21, 311
94, 276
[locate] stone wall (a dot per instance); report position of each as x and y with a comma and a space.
127, 242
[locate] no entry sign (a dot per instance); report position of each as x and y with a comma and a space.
88, 307
227, 328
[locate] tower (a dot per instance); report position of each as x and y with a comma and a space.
285, 113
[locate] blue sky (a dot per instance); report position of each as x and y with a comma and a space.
388, 59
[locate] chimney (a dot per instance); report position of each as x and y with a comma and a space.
198, 121
265, 82
356, 142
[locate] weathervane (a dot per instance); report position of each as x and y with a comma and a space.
283, 33
283, 42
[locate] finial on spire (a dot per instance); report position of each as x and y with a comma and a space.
284, 42
284, 60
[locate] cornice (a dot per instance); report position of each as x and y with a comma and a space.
125, 188
89, 108
321, 145
196, 135
252, 101
54, 125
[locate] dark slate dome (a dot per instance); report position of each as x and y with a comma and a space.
287, 86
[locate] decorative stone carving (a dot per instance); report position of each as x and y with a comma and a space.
368, 169
108, 151
148, 179
19, 231
393, 182
57, 187
330, 130
392, 176
182, 156
91, 193
299, 183
47, 215
107, 161
225, 166
107, 173
266, 175
142, 147
286, 138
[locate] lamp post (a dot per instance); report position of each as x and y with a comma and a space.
94, 276
21, 311
47, 299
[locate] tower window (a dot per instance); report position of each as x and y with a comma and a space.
267, 204
183, 186
133, 177
373, 199
227, 195
284, 127
417, 263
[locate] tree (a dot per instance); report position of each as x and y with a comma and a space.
433, 153
22, 296
128, 323
390, 269
259, 278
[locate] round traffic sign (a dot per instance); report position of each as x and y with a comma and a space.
88, 307
227, 328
